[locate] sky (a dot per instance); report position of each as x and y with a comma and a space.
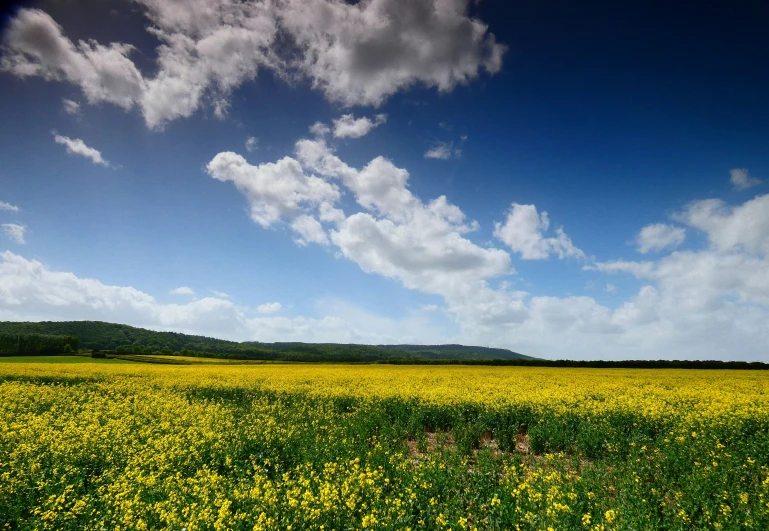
564, 179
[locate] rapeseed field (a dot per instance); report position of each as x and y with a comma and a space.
335, 447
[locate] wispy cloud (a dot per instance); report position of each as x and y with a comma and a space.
8, 206
347, 126
742, 180
182, 290
70, 107
15, 232
269, 307
76, 146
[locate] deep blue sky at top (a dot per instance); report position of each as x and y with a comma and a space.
606, 115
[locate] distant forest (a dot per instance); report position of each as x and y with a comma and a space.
67, 336
124, 339
36, 344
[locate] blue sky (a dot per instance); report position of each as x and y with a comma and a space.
567, 181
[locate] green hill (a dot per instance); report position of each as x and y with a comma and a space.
129, 339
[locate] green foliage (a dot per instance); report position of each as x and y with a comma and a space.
128, 339
34, 343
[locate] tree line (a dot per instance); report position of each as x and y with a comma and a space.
37, 344
124, 339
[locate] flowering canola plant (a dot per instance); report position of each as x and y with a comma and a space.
337, 447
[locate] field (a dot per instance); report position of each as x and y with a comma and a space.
141, 446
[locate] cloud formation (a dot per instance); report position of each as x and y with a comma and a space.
252, 143
744, 227
9, 207
32, 291
274, 190
659, 236
523, 231
347, 126
742, 180
182, 290
75, 146
356, 54
70, 107
269, 307
15, 232
442, 151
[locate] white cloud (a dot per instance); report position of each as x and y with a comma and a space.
36, 46
523, 231
76, 146
274, 190
430, 307
360, 54
8, 207
610, 288
741, 179
14, 232
659, 236
745, 227
399, 236
441, 150
70, 107
219, 294
355, 53
308, 230
31, 291
347, 126
269, 307
319, 129
182, 290
252, 143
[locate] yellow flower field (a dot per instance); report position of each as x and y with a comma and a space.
282, 446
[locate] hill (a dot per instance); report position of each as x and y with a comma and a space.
128, 339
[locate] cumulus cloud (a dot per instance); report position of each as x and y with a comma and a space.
32, 291
319, 129
422, 245
347, 126
252, 143
357, 54
741, 179
744, 227
15, 232
36, 46
9, 207
360, 54
308, 230
269, 307
182, 290
398, 235
70, 107
523, 231
659, 236
76, 146
274, 190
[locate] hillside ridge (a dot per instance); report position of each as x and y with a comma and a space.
129, 339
